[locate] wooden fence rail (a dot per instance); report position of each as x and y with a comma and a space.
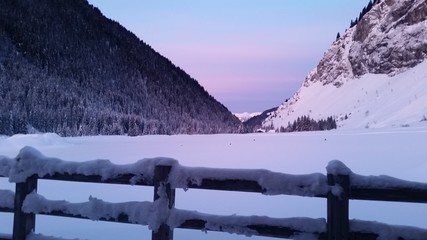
341, 190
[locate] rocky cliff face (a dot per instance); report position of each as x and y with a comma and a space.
389, 39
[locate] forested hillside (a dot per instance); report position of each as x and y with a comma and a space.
65, 68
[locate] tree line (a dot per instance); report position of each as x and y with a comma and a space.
305, 123
365, 10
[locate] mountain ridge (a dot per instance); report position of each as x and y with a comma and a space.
388, 41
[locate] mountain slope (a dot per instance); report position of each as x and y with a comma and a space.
244, 116
254, 123
66, 68
373, 76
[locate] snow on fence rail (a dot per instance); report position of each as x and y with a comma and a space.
165, 175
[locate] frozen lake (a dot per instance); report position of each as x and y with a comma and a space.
398, 152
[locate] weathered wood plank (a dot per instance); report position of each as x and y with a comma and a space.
259, 229
363, 236
122, 179
337, 205
392, 195
161, 175
122, 218
8, 210
23, 223
228, 185
338, 208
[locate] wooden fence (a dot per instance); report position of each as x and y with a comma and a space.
337, 222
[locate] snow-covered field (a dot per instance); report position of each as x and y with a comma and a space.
398, 152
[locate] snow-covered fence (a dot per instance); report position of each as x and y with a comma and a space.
339, 186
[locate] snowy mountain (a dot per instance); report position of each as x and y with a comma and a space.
244, 116
374, 75
65, 68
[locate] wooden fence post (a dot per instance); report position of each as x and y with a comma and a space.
338, 222
161, 175
23, 223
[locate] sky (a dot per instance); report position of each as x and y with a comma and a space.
251, 55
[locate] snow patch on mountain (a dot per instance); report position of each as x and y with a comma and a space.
373, 100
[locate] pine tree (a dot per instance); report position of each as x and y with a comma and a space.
370, 5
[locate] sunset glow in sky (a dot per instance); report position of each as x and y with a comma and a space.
249, 54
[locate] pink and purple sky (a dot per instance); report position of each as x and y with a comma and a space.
250, 55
